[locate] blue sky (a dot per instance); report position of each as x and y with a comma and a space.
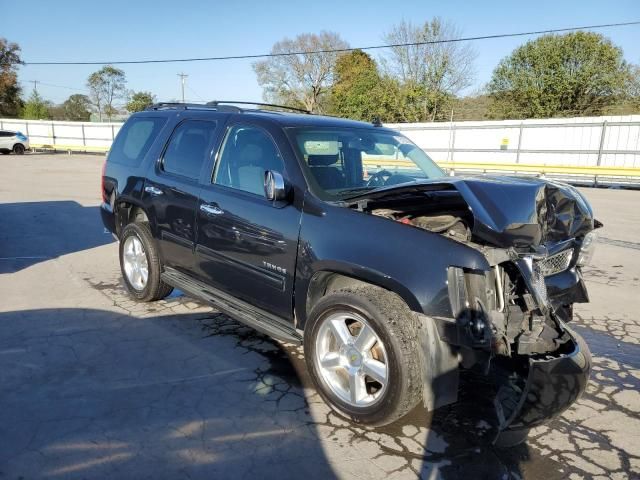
116, 30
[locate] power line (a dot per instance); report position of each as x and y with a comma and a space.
340, 50
57, 86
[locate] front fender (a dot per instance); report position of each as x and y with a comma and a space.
404, 259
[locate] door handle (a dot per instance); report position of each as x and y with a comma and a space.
153, 190
211, 209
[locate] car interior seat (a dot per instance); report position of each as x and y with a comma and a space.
324, 169
256, 155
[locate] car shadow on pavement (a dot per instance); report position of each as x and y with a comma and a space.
94, 393
30, 232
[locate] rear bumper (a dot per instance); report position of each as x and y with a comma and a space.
108, 217
554, 382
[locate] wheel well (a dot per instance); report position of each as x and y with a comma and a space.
128, 213
137, 214
323, 283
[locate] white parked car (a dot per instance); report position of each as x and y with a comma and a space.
15, 142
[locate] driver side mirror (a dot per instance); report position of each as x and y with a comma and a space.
275, 187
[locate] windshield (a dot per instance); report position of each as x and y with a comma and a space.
346, 162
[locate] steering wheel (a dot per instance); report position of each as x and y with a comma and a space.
379, 179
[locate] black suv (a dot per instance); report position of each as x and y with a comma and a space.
347, 237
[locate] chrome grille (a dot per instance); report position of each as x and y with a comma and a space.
537, 279
555, 263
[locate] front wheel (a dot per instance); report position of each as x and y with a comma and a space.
140, 264
362, 351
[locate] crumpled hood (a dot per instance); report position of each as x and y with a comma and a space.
514, 211
524, 212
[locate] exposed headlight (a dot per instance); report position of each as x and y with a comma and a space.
587, 248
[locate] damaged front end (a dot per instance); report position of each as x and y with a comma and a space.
510, 322
506, 326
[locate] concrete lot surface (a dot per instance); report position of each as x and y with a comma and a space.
95, 385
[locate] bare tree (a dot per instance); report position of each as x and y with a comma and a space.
300, 79
440, 69
105, 86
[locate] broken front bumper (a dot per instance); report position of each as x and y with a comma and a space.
553, 383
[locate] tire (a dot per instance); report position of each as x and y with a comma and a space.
5, 152
395, 326
153, 288
18, 149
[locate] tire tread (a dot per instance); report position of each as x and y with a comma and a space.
156, 289
401, 324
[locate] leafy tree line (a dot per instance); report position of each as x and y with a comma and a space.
105, 87
574, 74
408, 84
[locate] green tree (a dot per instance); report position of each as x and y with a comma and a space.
139, 101
630, 104
10, 91
36, 108
360, 92
578, 73
76, 108
353, 92
105, 86
300, 80
473, 107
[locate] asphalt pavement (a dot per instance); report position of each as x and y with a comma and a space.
95, 385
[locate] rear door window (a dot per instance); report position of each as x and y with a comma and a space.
135, 139
188, 147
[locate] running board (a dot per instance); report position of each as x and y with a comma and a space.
244, 312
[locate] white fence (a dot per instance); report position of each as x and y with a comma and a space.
65, 135
575, 142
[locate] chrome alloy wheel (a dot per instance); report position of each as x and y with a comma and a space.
351, 359
134, 260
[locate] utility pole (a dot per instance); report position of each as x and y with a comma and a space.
183, 77
35, 85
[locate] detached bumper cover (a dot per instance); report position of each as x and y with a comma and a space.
552, 385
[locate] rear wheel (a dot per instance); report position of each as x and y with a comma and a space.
140, 264
18, 149
361, 348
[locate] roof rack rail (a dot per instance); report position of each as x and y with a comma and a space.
221, 106
195, 106
215, 103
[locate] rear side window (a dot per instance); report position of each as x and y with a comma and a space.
135, 139
187, 148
